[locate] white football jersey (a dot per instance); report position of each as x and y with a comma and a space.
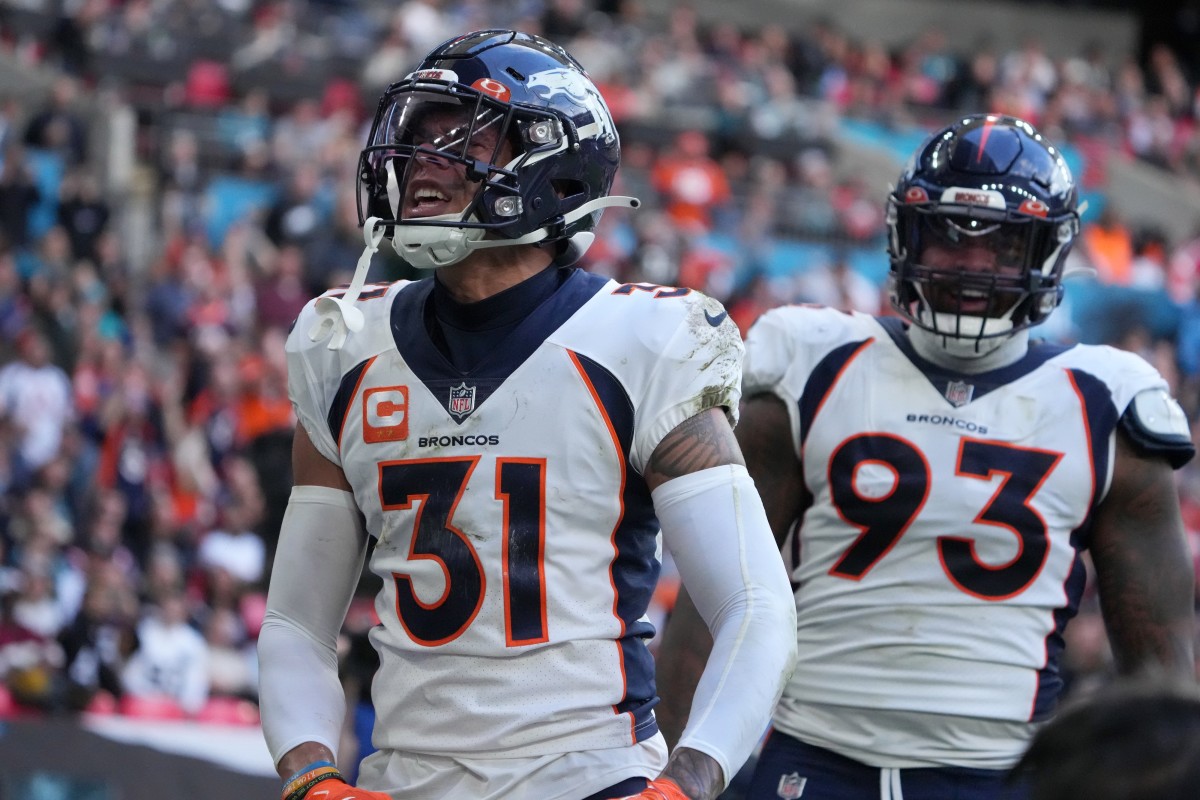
515, 535
940, 558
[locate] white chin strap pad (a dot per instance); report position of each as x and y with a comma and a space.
433, 246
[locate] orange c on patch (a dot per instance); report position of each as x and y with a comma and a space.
385, 414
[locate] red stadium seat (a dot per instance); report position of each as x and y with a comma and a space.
228, 711
151, 708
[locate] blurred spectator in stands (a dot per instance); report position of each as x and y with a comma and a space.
164, 575
263, 407
1165, 78
115, 270
36, 395
207, 86
273, 35
36, 606
134, 455
282, 293
657, 249
235, 547
931, 68
709, 269
691, 183
1030, 74
58, 126
30, 663
69, 43
82, 212
836, 284
15, 311
1150, 131
52, 262
12, 113
388, 58
43, 545
302, 209
677, 76
214, 409
104, 541
562, 20
19, 194
300, 136
1129, 88
1148, 270
246, 126
758, 295
873, 82
1187, 352
96, 376
781, 115
182, 178
232, 660
1183, 272
169, 667
423, 23
97, 643
860, 216
1108, 245
805, 208
39, 526
978, 77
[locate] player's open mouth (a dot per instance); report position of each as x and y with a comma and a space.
973, 302
427, 202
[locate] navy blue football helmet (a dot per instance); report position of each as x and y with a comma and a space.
523, 119
990, 181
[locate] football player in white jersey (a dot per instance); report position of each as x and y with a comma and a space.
934, 480
513, 433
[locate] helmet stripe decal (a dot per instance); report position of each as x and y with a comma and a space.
983, 137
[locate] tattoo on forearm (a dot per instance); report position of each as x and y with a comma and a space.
698, 775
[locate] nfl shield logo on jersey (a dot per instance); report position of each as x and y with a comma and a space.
791, 786
462, 400
959, 393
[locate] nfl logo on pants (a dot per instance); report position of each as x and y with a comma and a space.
791, 786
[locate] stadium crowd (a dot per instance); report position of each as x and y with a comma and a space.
145, 428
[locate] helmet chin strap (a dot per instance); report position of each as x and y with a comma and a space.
433, 246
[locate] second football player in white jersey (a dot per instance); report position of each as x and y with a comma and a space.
934, 480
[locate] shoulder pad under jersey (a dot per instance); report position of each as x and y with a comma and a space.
1156, 424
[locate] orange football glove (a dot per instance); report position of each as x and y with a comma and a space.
337, 789
660, 789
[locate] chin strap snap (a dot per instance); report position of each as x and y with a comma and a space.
337, 317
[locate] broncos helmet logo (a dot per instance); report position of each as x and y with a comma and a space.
572, 84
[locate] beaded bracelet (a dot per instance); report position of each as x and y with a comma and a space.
307, 777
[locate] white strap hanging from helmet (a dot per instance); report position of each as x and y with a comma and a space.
337, 316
